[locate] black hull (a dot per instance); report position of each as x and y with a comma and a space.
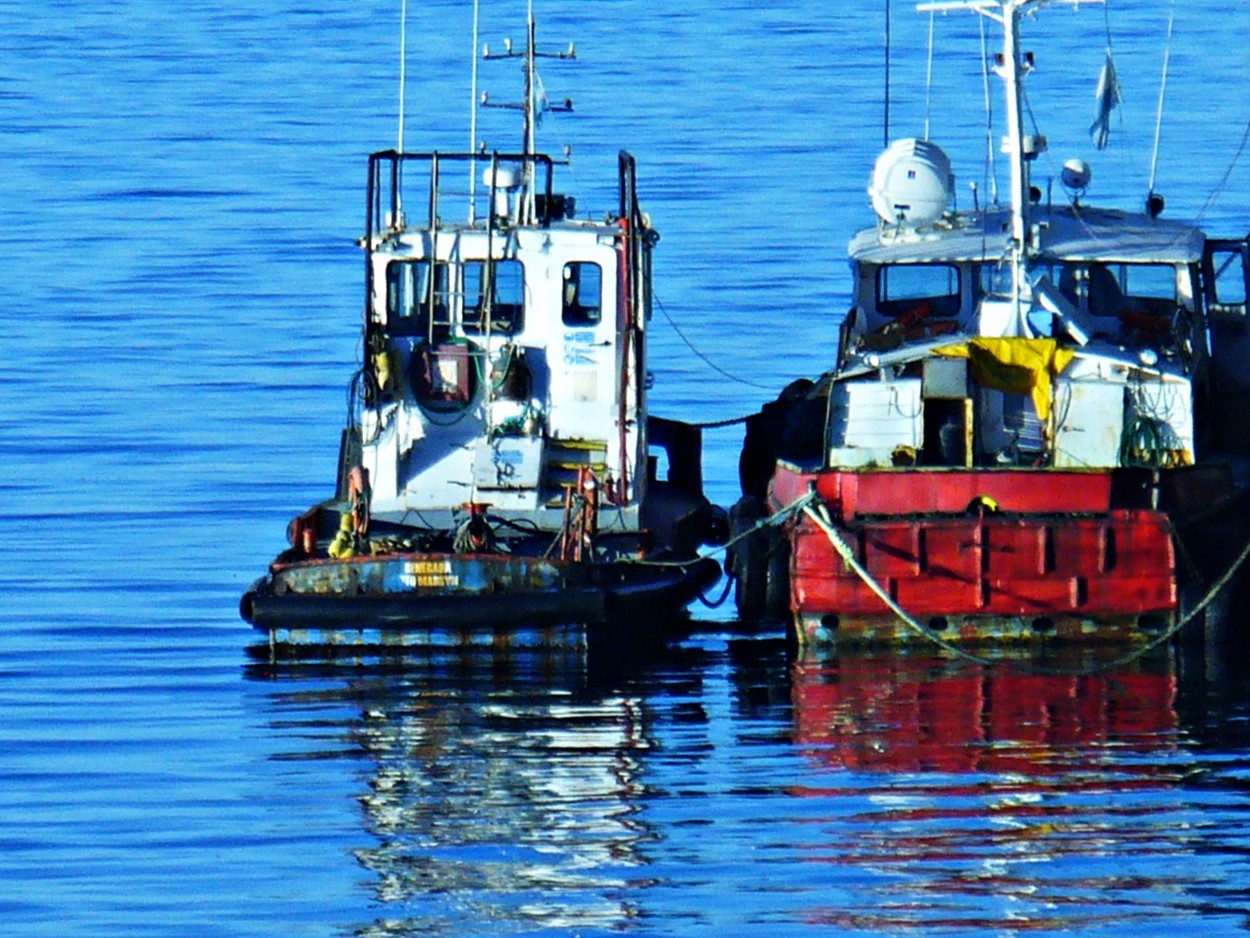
577, 594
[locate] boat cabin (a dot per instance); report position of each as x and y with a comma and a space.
503, 350
1116, 276
1114, 346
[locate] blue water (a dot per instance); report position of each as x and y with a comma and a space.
181, 187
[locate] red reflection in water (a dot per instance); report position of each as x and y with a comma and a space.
886, 713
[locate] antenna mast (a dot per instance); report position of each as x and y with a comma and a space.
1153, 204
529, 107
473, 123
888, 36
1012, 66
403, 66
530, 81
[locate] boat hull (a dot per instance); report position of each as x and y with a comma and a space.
419, 592
981, 556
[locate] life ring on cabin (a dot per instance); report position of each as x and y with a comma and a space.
443, 375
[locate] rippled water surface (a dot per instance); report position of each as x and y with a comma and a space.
182, 185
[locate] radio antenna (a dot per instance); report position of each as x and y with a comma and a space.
473, 123
886, 115
403, 61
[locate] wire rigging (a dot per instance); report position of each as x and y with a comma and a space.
703, 358
991, 171
403, 69
1163, 84
928, 79
1228, 172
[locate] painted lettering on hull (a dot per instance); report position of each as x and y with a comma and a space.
428, 574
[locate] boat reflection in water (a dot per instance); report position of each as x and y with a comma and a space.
505, 778
990, 799
721, 784
906, 714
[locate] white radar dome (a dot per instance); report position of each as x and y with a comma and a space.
502, 175
911, 183
1076, 174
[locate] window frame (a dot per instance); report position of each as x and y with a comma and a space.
945, 305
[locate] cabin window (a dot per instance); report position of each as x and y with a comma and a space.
1117, 289
1069, 280
931, 290
582, 294
507, 298
1228, 280
992, 280
409, 303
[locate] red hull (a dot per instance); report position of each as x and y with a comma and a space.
978, 554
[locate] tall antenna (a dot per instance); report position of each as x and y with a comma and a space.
1012, 65
473, 124
530, 80
886, 116
928, 79
403, 62
531, 108
1154, 205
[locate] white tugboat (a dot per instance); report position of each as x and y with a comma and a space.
1032, 428
500, 467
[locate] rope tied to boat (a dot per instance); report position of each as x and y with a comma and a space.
720, 600
844, 550
821, 520
778, 517
1188, 617
718, 424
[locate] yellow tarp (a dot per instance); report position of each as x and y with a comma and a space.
1017, 365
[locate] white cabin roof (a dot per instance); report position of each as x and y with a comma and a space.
1084, 234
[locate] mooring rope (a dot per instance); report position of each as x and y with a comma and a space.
848, 556
1206, 600
804, 504
717, 424
776, 518
719, 601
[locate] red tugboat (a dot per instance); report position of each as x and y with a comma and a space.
1028, 433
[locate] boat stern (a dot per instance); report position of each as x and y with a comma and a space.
998, 555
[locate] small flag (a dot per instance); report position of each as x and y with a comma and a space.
1108, 96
